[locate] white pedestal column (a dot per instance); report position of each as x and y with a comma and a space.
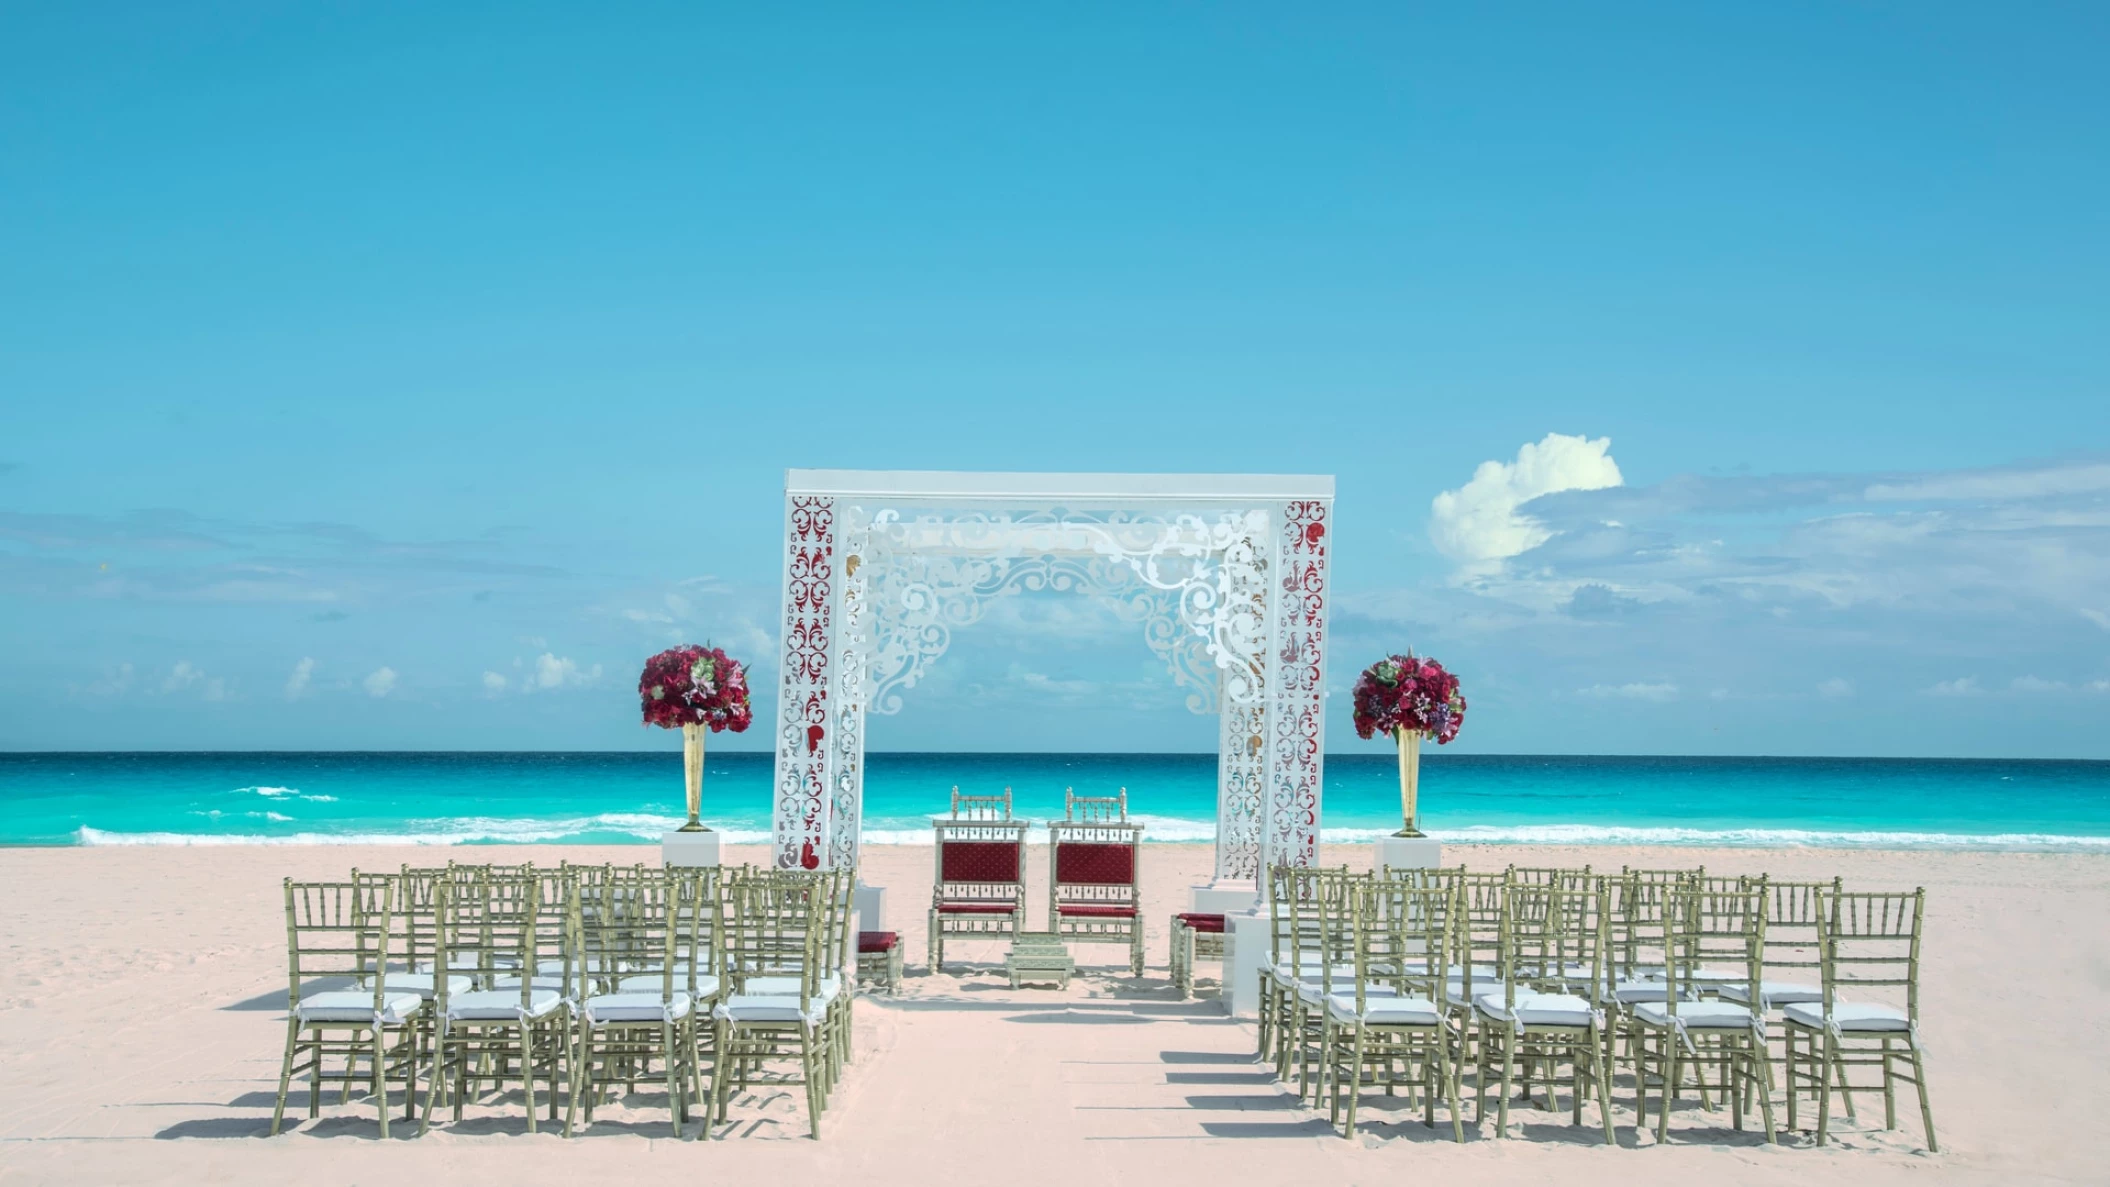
870, 903
1408, 853
688, 849
1225, 896
1246, 944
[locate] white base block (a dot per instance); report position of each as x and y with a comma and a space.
1225, 896
688, 849
870, 904
1246, 944
1408, 853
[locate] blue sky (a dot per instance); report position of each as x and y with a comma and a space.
352, 356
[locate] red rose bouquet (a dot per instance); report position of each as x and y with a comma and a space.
1404, 692
695, 686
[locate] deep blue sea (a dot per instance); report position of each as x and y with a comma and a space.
482, 798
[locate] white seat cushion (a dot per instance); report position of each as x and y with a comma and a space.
555, 984
501, 1005
706, 985
1386, 1011
753, 1007
1864, 1017
419, 983
1697, 1015
790, 987
1314, 993
1775, 993
636, 1007
1538, 1009
353, 1005
1629, 992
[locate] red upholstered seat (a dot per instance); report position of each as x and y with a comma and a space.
1095, 863
877, 941
975, 908
980, 861
1098, 910
1202, 922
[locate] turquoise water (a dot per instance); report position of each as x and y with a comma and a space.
392, 798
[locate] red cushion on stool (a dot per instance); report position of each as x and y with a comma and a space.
1201, 922
975, 908
877, 941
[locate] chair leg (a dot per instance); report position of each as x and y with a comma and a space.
285, 1073
813, 1092
1824, 1089
1601, 1058
1764, 1080
1919, 1076
380, 1078
1670, 1084
1509, 1064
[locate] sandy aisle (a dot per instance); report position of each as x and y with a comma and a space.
141, 1000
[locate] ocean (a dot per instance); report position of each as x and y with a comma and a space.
602, 798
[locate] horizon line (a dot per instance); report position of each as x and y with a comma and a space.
1074, 754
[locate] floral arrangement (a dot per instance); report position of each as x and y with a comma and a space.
1405, 692
695, 686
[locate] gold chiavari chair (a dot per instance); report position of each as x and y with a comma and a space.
1705, 929
637, 1007
1389, 1028
1868, 944
774, 925
1328, 906
338, 1003
1544, 1012
518, 1029
1476, 954
1297, 951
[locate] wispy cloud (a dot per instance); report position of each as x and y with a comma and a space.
1659, 691
554, 672
297, 683
380, 682
187, 677
1962, 686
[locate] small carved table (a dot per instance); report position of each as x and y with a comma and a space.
1039, 956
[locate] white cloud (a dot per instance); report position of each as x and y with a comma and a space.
2098, 617
182, 676
2036, 684
297, 683
1478, 525
553, 671
1837, 686
2003, 483
1632, 692
1962, 686
380, 682
186, 676
494, 683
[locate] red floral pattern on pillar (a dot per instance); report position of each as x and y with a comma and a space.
809, 607
1297, 685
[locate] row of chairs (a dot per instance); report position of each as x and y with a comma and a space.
567, 982
979, 889
1535, 976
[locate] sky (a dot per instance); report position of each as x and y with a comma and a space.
1698, 379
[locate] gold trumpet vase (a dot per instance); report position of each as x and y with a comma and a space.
1409, 780
692, 774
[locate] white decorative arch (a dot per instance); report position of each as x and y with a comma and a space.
1226, 575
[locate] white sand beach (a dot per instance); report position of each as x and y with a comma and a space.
142, 994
